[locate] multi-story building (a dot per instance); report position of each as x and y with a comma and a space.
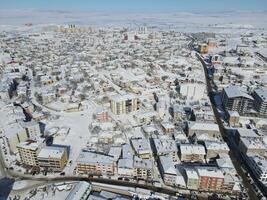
166, 147
170, 174
141, 147
101, 115
123, 104
29, 150
192, 179
258, 165
260, 101
52, 158
192, 153
143, 168
213, 148
236, 98
32, 129
95, 163
125, 167
199, 128
15, 134
81, 191
168, 128
210, 178
255, 146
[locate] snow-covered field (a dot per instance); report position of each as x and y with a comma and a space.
181, 21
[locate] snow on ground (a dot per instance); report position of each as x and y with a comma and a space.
181, 21
79, 134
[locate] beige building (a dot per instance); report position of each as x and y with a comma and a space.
252, 146
15, 134
166, 147
29, 150
142, 168
141, 148
215, 148
123, 104
95, 163
53, 158
192, 153
198, 128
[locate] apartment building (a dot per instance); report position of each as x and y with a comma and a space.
124, 104
143, 168
191, 178
192, 153
236, 98
15, 134
168, 128
213, 149
101, 115
95, 163
32, 129
210, 178
166, 147
258, 165
29, 150
255, 146
260, 101
53, 158
199, 128
141, 148
81, 191
170, 174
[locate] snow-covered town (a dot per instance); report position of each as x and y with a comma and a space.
138, 112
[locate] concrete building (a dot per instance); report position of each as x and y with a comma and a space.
29, 150
192, 179
32, 129
125, 167
168, 128
81, 191
213, 149
53, 158
258, 165
143, 168
101, 115
95, 163
198, 128
260, 101
124, 104
141, 148
144, 118
192, 153
166, 147
252, 146
236, 98
170, 174
210, 178
15, 134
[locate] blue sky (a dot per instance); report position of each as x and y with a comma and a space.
136, 5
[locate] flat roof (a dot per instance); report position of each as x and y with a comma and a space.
51, 152
233, 91
192, 149
165, 145
78, 191
93, 157
210, 172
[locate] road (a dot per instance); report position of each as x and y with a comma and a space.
235, 159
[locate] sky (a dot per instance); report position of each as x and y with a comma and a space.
136, 5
